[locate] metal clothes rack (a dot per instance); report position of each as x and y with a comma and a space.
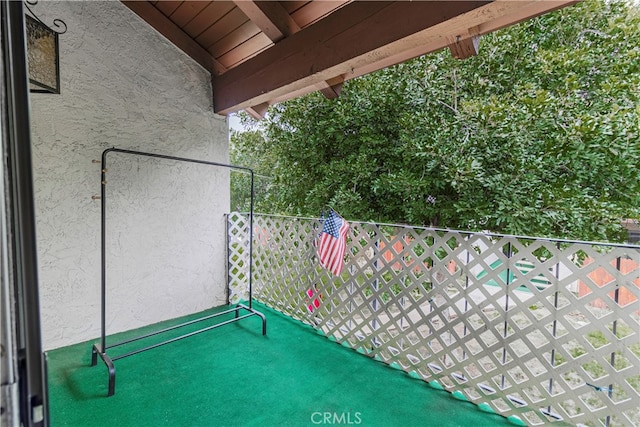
100, 348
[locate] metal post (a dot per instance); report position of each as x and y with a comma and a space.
555, 324
376, 266
430, 264
506, 310
251, 242
612, 360
466, 301
103, 240
376, 283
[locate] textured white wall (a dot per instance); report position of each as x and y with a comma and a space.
124, 85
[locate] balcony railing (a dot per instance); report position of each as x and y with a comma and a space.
536, 330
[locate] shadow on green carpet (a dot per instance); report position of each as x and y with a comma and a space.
234, 376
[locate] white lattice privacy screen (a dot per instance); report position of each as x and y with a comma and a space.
536, 330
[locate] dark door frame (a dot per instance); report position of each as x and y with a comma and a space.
21, 257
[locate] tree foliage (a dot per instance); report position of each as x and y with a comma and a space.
247, 149
537, 135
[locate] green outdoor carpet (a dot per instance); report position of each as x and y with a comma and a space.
234, 376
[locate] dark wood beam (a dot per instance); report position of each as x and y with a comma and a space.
270, 17
332, 87
327, 48
175, 34
257, 111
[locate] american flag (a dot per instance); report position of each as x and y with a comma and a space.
333, 241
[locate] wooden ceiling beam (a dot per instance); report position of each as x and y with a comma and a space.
492, 17
312, 11
154, 17
270, 17
258, 111
527, 10
463, 48
332, 87
327, 49
484, 20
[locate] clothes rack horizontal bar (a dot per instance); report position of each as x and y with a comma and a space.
131, 353
179, 159
170, 328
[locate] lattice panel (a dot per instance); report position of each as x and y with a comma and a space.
535, 329
286, 267
238, 257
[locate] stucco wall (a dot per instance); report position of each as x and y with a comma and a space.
124, 85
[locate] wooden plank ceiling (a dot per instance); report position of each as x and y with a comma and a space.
263, 52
